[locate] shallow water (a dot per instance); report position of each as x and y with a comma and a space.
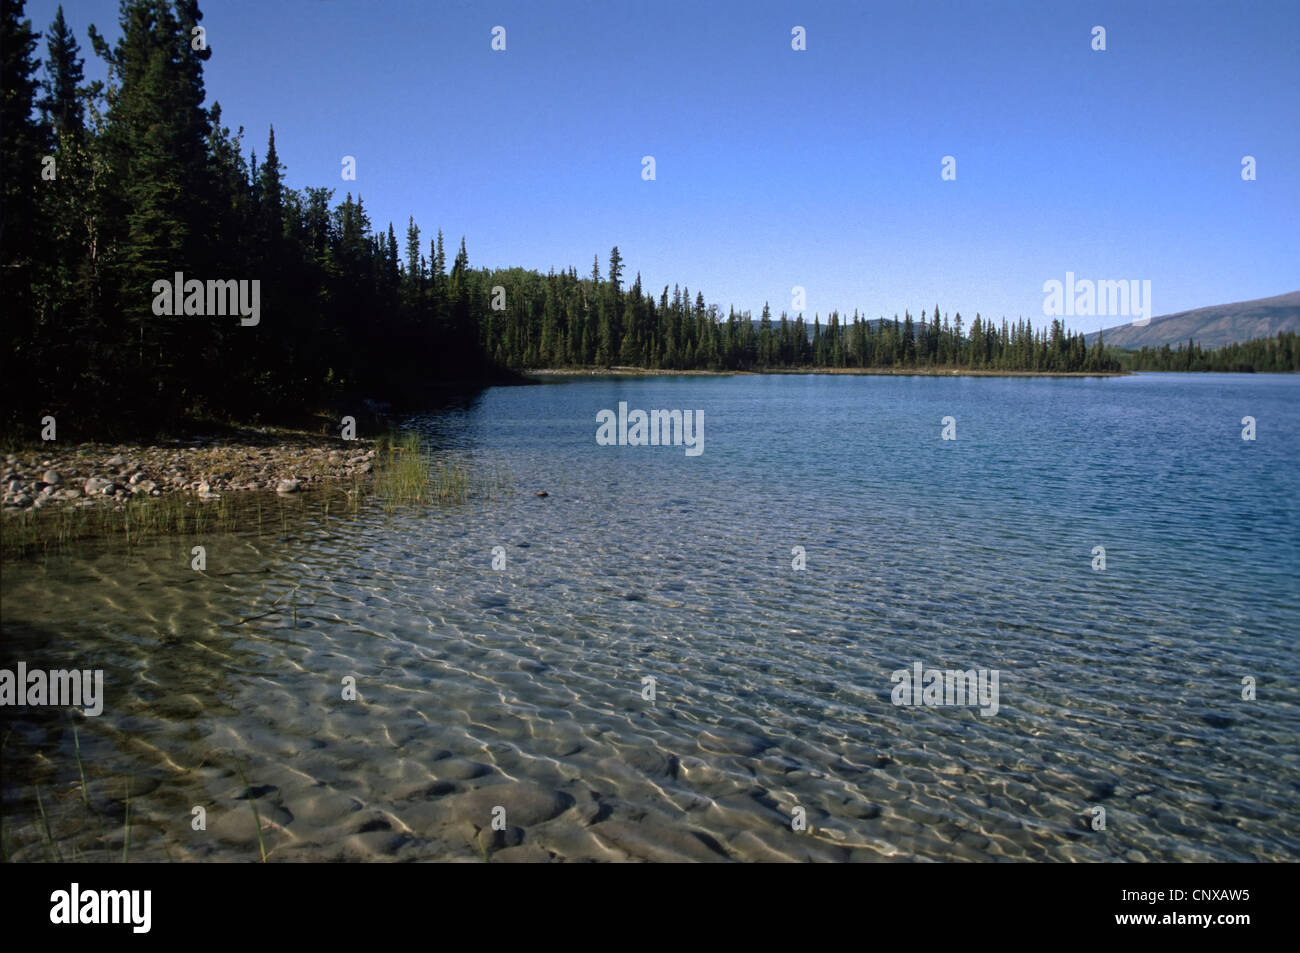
523, 688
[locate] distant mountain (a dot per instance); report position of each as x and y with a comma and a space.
1213, 326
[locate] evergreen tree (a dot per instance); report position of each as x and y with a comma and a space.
22, 143
61, 107
615, 270
156, 141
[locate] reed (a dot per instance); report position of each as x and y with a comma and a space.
45, 821
76, 743
257, 818
126, 841
412, 473
403, 474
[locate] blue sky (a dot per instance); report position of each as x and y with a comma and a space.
777, 168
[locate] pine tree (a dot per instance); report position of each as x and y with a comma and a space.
414, 276
21, 147
156, 141
271, 191
765, 344
615, 270
61, 107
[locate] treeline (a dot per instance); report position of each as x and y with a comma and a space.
110, 187
1263, 355
560, 320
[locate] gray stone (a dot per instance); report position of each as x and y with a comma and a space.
53, 477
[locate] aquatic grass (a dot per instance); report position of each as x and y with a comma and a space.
126, 841
410, 472
403, 476
42, 822
137, 520
450, 481
257, 822
407, 472
76, 743
52, 847
257, 818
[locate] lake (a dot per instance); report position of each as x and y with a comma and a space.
694, 656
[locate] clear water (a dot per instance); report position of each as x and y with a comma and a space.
523, 688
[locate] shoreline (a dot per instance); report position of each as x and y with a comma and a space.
619, 371
202, 466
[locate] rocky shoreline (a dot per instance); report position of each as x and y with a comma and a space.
206, 467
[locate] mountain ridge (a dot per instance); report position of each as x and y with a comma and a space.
1211, 326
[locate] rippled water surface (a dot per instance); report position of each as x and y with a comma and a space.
524, 688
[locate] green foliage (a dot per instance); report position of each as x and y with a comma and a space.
1279, 354
561, 320
149, 183
22, 146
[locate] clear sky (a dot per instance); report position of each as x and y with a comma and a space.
775, 168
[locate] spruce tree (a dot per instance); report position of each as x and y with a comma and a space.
22, 143
61, 106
